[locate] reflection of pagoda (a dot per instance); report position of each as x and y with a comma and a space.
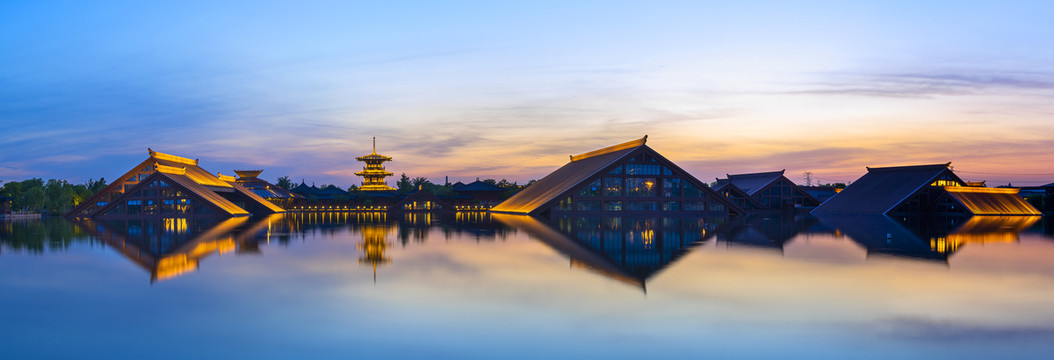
373, 174
373, 246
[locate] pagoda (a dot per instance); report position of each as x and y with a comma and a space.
373, 174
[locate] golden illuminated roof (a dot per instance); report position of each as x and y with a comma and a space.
582, 167
172, 169
211, 196
991, 201
248, 173
183, 170
172, 158
610, 149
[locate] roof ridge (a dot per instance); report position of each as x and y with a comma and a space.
909, 167
170, 157
610, 149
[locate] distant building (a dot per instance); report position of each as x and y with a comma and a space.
250, 179
771, 189
5, 204
922, 189
373, 174
822, 192
624, 178
166, 186
476, 194
421, 201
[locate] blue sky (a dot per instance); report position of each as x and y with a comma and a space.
509, 89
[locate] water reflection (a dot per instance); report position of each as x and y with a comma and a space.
767, 231
630, 249
934, 239
171, 247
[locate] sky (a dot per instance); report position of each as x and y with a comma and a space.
509, 89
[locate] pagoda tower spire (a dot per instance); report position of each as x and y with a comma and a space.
373, 173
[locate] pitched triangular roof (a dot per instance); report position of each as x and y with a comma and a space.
567, 177
882, 189
739, 193
183, 168
751, 183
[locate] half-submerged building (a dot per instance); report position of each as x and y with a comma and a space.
771, 190
922, 189
165, 186
624, 178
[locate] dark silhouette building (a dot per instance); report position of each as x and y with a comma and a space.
771, 189
922, 189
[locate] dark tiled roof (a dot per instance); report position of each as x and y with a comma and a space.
739, 193
420, 195
881, 189
477, 186
751, 183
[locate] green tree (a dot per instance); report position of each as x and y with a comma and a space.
285, 183
405, 185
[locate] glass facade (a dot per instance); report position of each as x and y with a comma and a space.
640, 184
160, 199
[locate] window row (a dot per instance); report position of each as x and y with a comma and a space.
640, 186
597, 205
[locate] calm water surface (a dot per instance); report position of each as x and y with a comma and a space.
476, 286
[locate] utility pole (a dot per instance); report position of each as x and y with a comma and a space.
808, 178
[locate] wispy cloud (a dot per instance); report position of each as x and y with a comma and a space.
923, 85
930, 330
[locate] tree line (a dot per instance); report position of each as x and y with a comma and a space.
52, 197
406, 185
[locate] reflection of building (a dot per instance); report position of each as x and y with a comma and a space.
922, 189
374, 244
170, 247
630, 249
927, 238
772, 232
373, 174
250, 179
476, 194
624, 178
170, 186
771, 189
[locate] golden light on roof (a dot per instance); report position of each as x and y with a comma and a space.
172, 158
248, 173
991, 201
171, 169
610, 149
226, 178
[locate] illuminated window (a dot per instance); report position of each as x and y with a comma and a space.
612, 186
640, 186
640, 169
592, 189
